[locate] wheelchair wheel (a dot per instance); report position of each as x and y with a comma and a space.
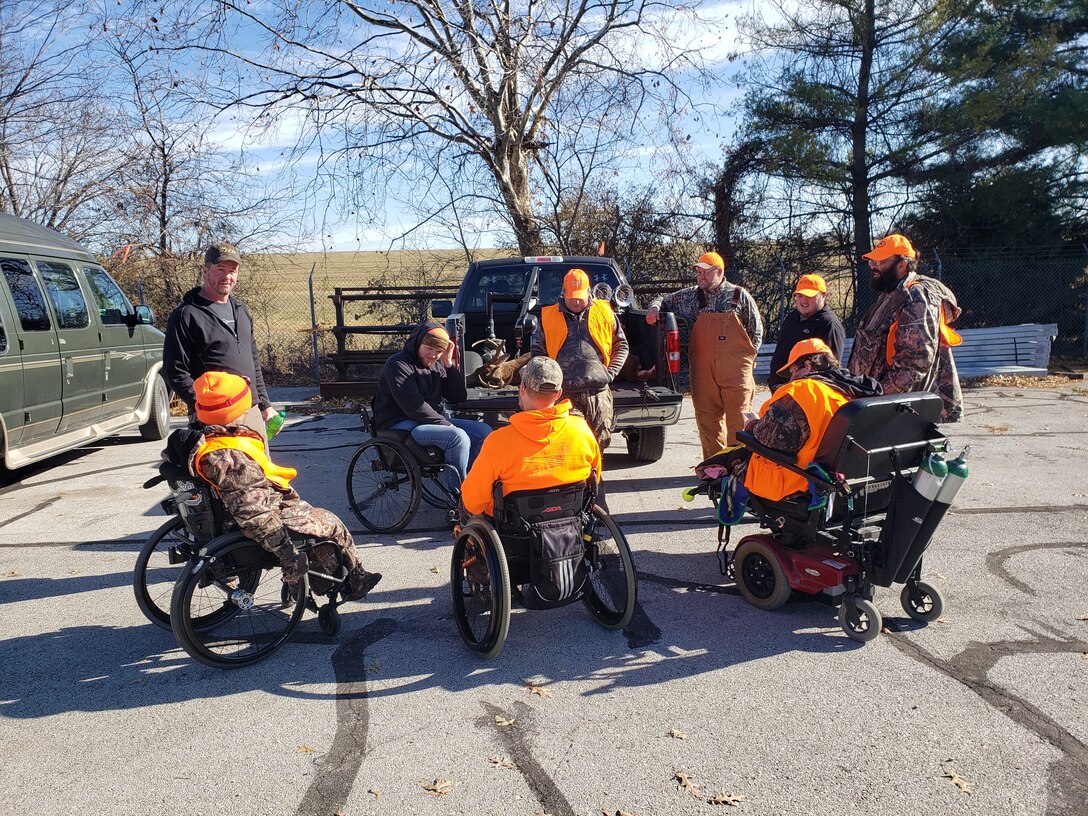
921, 601
611, 589
434, 492
238, 583
860, 618
157, 569
480, 582
759, 575
383, 485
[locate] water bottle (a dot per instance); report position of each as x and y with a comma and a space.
930, 475
272, 427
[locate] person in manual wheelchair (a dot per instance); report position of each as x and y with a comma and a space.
223, 611
529, 523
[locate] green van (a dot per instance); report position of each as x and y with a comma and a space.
77, 361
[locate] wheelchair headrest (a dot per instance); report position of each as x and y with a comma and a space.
865, 434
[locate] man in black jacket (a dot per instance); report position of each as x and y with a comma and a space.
811, 319
413, 384
212, 331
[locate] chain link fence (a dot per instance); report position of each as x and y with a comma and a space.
994, 288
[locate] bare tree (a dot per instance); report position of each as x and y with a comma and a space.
56, 142
457, 103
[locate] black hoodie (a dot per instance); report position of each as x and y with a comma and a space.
197, 341
409, 390
852, 386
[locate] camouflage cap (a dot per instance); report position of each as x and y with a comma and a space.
221, 251
542, 375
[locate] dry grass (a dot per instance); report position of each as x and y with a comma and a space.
1018, 381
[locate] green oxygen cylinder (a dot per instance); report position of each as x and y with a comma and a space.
953, 481
930, 475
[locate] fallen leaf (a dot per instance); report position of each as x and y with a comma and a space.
939, 575
502, 722
686, 783
440, 787
306, 749
374, 792
942, 619
540, 691
501, 762
434, 570
676, 733
723, 798
625, 813
996, 429
374, 667
11, 574
1081, 618
959, 781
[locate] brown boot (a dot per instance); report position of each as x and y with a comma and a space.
360, 582
294, 567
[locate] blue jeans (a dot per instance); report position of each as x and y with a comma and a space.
460, 443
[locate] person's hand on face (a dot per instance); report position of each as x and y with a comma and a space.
447, 355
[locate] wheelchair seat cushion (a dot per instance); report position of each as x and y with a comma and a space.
424, 454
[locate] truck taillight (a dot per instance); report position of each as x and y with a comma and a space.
672, 350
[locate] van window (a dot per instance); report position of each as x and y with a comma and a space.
3, 337
26, 293
112, 304
65, 295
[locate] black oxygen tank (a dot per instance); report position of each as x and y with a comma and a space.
906, 515
957, 475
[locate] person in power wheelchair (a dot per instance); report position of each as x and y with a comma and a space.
529, 522
832, 475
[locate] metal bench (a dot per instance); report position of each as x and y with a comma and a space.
1022, 350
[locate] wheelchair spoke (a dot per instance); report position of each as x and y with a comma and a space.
610, 595
383, 486
157, 569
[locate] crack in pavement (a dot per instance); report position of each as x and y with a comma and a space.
995, 561
338, 769
1068, 777
513, 740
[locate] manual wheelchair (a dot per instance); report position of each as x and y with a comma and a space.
861, 524
547, 548
219, 592
390, 473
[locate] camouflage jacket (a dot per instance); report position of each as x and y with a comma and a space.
257, 505
922, 362
687, 304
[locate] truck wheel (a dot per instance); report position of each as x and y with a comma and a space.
646, 444
158, 423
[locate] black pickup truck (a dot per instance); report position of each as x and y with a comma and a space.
502, 298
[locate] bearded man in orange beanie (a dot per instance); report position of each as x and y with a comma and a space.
255, 491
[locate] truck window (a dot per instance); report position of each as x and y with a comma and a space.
551, 280
26, 293
510, 280
65, 295
112, 304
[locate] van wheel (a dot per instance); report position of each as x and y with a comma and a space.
646, 444
158, 423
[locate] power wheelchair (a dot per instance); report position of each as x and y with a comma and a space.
546, 548
390, 473
861, 524
219, 592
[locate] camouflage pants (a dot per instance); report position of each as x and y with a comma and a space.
599, 414
305, 521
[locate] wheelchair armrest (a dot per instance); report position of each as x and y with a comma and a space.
785, 460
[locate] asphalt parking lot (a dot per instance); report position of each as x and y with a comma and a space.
703, 700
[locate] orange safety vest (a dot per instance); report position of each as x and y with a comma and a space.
949, 336
819, 401
254, 449
601, 325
